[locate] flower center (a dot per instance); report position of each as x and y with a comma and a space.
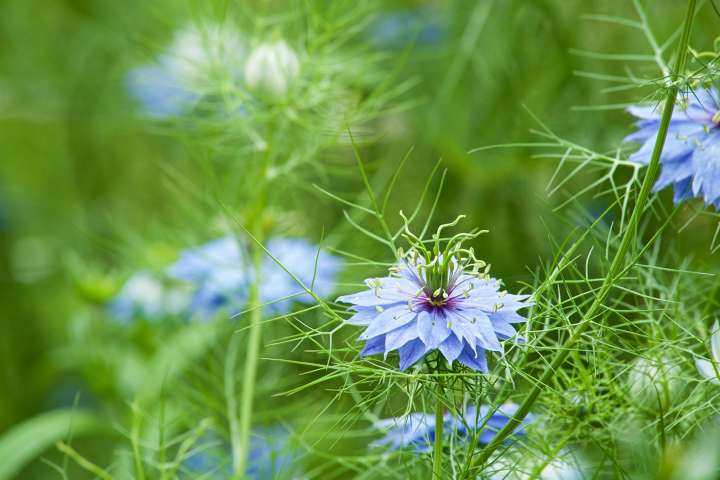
716, 118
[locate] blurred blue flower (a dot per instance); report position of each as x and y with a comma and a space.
159, 93
219, 272
222, 274
691, 156
462, 314
417, 430
199, 57
271, 457
398, 29
144, 295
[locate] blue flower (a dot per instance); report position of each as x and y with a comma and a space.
199, 56
398, 29
222, 274
691, 156
219, 271
271, 456
417, 430
432, 304
144, 295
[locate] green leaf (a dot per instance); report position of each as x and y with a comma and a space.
23, 443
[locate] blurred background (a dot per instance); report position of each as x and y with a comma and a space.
89, 188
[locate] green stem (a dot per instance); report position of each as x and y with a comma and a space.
230, 366
251, 364
439, 420
616, 267
252, 355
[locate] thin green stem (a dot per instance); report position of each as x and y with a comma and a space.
439, 418
618, 263
252, 355
230, 366
251, 364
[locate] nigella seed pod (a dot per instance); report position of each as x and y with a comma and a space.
271, 68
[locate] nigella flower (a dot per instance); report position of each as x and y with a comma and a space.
710, 368
434, 302
219, 271
691, 156
398, 29
144, 295
271, 456
198, 57
417, 430
222, 274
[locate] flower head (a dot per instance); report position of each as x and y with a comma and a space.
271, 456
436, 300
222, 274
710, 368
417, 430
691, 156
197, 56
271, 67
398, 29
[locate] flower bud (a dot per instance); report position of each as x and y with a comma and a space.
271, 68
655, 384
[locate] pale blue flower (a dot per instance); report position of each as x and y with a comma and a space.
199, 57
271, 457
691, 156
462, 314
222, 274
400, 28
144, 295
219, 271
710, 368
417, 430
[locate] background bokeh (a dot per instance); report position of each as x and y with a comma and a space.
87, 189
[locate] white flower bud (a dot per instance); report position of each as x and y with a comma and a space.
271, 68
655, 384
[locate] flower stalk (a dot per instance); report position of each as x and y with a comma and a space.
439, 419
241, 443
618, 264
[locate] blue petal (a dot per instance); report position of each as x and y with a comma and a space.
475, 361
682, 190
451, 348
502, 327
388, 320
400, 336
681, 140
374, 346
410, 353
508, 316
706, 161
646, 112
362, 317
432, 330
673, 172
